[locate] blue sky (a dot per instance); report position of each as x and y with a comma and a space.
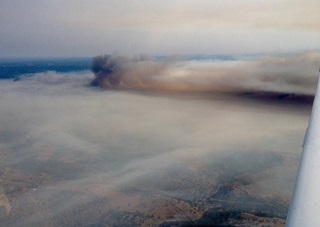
175, 27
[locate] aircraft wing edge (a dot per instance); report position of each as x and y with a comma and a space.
305, 203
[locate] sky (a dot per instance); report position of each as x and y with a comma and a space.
36, 28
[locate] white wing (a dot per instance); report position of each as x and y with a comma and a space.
305, 204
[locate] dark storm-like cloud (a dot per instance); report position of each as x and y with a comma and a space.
284, 73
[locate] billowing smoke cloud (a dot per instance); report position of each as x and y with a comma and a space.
284, 73
127, 71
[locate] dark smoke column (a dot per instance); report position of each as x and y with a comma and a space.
129, 72
103, 68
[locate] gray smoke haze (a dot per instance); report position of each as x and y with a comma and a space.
283, 73
72, 154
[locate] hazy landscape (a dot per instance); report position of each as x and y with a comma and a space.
197, 150
154, 113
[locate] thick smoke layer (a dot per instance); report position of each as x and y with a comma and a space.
284, 74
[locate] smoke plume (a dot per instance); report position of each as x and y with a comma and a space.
127, 71
282, 73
